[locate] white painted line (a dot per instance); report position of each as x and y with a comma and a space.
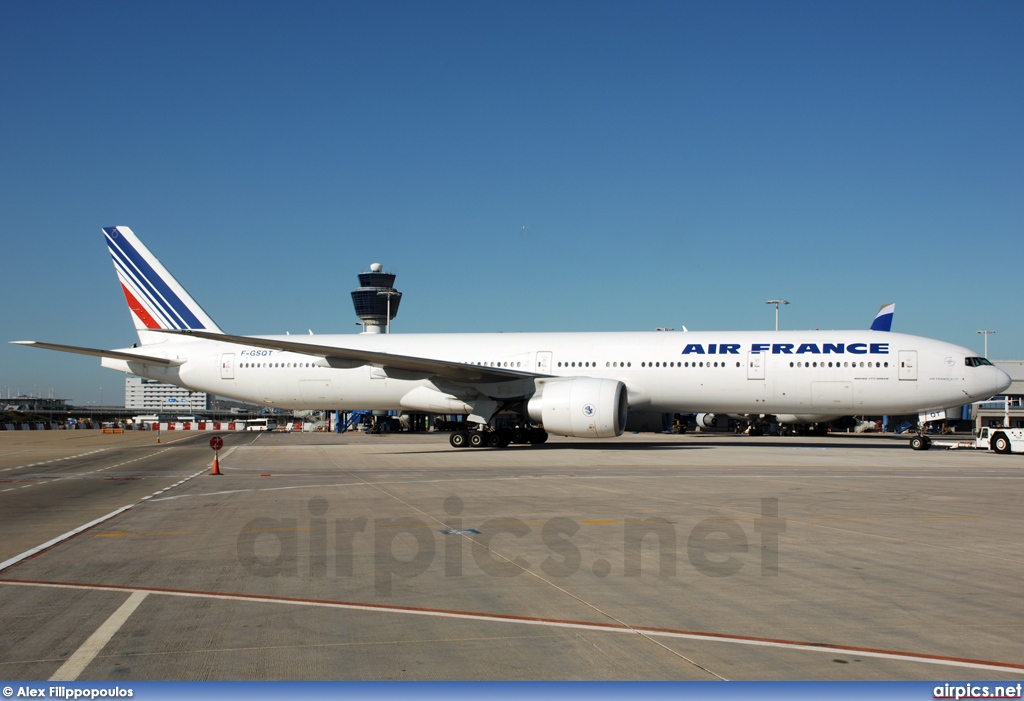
50, 543
77, 663
1008, 668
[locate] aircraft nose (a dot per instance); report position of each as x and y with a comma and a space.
1000, 380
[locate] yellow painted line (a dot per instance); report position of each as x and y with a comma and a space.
843, 518
730, 518
950, 517
122, 534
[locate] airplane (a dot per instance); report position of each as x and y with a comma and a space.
581, 384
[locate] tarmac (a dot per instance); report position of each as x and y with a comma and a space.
398, 557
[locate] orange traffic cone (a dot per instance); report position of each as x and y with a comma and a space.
216, 465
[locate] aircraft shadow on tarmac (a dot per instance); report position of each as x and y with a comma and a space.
781, 443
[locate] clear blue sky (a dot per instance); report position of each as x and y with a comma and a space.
520, 165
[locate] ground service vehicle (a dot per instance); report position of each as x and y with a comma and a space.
997, 439
1001, 440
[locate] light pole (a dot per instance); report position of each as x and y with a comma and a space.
776, 302
389, 294
986, 332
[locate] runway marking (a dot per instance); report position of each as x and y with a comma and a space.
59, 539
630, 477
841, 518
90, 472
898, 655
77, 663
47, 462
7, 564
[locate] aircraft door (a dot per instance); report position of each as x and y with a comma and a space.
755, 366
544, 362
908, 365
227, 366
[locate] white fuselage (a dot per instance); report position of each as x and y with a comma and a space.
740, 372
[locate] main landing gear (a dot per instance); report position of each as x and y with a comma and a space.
497, 437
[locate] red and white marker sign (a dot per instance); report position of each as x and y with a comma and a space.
216, 442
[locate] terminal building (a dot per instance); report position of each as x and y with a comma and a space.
154, 397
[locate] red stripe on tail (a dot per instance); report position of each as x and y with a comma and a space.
138, 310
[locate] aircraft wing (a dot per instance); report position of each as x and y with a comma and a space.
459, 372
99, 353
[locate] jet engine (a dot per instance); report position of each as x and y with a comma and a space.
706, 420
584, 407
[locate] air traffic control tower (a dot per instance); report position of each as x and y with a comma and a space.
376, 301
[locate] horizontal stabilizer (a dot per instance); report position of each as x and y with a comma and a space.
121, 355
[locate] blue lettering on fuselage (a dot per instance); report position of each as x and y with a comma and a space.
788, 348
712, 349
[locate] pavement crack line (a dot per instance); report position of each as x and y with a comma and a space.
536, 576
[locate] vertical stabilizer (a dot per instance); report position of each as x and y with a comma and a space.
155, 298
883, 320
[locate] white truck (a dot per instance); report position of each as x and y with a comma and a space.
1001, 440
997, 439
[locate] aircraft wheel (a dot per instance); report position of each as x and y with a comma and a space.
920, 443
538, 436
518, 435
504, 437
1001, 444
458, 439
477, 439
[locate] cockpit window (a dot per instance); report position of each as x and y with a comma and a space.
976, 362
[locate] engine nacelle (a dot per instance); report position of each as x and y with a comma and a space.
706, 420
583, 407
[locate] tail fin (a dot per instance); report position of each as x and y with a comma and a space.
883, 320
155, 298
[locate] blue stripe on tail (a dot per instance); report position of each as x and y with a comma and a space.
158, 290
